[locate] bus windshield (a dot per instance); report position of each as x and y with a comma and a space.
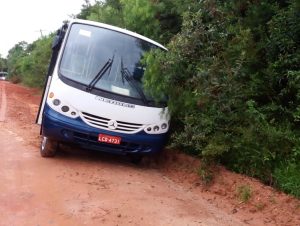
104, 59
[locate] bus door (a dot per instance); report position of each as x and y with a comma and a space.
56, 45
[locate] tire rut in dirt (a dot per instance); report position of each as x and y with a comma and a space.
3, 102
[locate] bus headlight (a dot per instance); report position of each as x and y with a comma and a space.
164, 126
56, 102
157, 129
65, 108
61, 107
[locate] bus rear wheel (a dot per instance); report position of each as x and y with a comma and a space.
48, 147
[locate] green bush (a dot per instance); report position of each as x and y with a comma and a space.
287, 178
232, 78
28, 63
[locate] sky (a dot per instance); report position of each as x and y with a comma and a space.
25, 20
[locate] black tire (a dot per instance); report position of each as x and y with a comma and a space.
136, 159
48, 147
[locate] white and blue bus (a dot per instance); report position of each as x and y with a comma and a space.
94, 96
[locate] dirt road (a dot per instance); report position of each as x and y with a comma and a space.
80, 187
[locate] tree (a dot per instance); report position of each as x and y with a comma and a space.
159, 20
3, 64
14, 56
85, 10
28, 63
35, 64
232, 79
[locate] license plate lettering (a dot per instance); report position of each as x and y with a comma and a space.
109, 139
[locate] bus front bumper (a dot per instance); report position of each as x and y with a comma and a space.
74, 131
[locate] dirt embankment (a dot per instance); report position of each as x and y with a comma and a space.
80, 187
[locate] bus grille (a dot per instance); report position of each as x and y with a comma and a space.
106, 123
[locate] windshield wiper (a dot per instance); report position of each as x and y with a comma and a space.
128, 77
100, 74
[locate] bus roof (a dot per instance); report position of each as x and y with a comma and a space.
118, 29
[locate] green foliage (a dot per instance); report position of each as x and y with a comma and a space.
35, 64
29, 63
85, 10
13, 59
244, 193
109, 12
3, 64
158, 20
232, 80
287, 177
140, 17
205, 171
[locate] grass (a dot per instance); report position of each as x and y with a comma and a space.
205, 172
244, 193
287, 178
260, 206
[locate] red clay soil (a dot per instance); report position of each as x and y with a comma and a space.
80, 187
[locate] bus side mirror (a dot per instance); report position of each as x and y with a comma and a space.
56, 40
60, 34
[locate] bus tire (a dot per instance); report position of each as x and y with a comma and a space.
48, 147
135, 159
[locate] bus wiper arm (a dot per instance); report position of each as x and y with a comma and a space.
99, 75
126, 74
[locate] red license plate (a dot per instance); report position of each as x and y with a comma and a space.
109, 139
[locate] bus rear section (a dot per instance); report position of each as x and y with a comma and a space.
94, 96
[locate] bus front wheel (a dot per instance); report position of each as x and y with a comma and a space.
135, 159
48, 147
